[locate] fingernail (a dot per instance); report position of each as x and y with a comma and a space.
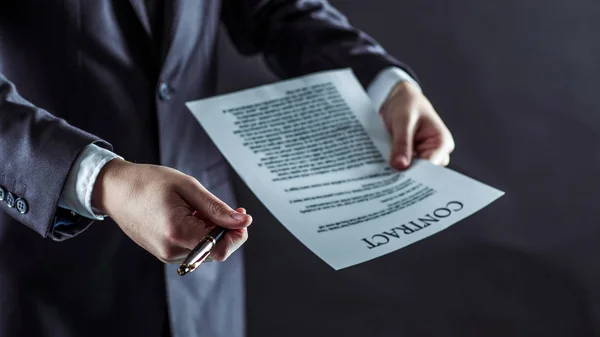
238, 216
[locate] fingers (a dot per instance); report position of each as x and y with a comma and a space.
403, 132
416, 128
193, 229
437, 156
423, 134
233, 239
435, 142
229, 243
212, 208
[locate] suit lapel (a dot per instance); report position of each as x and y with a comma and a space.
140, 10
174, 10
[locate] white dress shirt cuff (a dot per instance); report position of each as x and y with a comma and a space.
77, 192
383, 84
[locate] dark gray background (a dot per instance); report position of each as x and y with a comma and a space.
516, 82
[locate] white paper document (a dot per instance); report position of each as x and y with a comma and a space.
316, 153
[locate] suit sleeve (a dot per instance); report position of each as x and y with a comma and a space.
303, 36
37, 151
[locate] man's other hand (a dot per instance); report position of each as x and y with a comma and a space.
165, 211
417, 130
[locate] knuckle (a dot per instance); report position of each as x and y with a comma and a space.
214, 206
185, 182
190, 180
172, 234
167, 253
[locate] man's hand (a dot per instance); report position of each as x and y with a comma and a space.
155, 205
415, 127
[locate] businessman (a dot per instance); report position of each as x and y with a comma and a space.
106, 178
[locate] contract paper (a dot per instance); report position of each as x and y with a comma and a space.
316, 153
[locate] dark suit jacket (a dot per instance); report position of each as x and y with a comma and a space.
77, 72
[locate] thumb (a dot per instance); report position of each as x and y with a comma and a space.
238, 235
211, 208
403, 131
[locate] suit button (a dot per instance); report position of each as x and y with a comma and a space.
2, 193
10, 200
22, 206
164, 92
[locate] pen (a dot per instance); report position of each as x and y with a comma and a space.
201, 251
